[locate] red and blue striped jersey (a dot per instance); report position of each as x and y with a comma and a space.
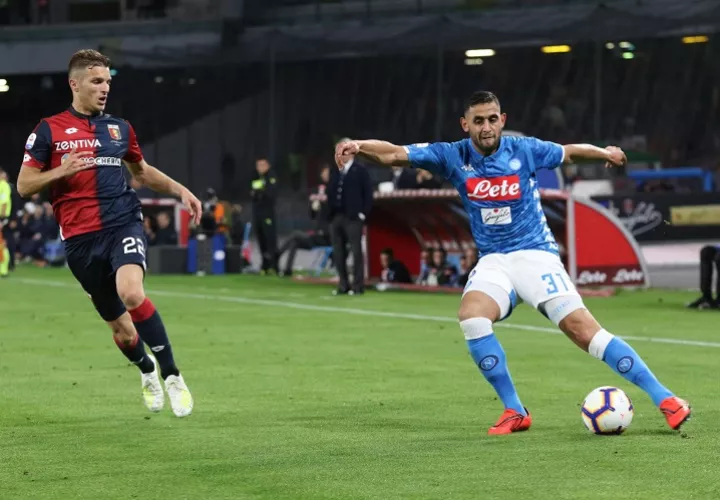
96, 198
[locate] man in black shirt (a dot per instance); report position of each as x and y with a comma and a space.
393, 271
264, 187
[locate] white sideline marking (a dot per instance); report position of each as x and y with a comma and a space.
363, 312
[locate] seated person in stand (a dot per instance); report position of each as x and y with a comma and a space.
440, 272
393, 271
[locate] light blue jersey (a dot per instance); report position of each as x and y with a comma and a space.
499, 191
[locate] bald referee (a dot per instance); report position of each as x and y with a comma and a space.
5, 211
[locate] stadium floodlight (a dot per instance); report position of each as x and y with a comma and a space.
4, 88
113, 72
479, 53
473, 61
695, 39
626, 45
628, 55
3, 82
609, 45
556, 49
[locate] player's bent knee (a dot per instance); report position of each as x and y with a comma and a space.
132, 297
477, 304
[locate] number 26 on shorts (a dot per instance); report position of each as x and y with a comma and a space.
549, 279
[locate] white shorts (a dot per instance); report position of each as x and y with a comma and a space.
535, 276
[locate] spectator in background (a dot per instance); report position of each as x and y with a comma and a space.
148, 229
320, 236
440, 272
470, 258
237, 230
165, 234
425, 263
393, 271
5, 231
426, 180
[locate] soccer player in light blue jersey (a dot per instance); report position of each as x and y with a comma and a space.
496, 178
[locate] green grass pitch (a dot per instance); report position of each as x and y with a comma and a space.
299, 395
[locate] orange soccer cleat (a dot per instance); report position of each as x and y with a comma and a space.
677, 411
511, 421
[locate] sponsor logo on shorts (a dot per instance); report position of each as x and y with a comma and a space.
488, 363
625, 364
503, 188
496, 216
77, 144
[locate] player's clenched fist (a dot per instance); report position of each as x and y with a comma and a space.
617, 157
75, 162
345, 150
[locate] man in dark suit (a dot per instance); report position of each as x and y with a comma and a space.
350, 197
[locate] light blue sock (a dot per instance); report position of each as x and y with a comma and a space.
625, 361
489, 356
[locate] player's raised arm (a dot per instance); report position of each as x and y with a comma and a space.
612, 155
380, 152
431, 157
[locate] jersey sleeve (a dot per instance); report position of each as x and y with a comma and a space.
545, 154
431, 157
38, 147
134, 154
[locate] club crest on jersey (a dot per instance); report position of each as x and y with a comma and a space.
515, 164
503, 188
115, 132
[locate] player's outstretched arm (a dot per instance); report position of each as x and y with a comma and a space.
381, 152
32, 180
612, 155
151, 177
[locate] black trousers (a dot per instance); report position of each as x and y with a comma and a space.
267, 239
301, 240
709, 258
342, 232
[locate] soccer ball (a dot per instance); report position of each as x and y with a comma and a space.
607, 410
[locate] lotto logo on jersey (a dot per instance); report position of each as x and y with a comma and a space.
504, 188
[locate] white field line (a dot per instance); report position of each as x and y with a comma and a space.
362, 312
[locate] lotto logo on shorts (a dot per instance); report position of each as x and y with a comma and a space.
496, 189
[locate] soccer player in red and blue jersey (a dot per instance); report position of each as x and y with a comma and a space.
495, 176
79, 155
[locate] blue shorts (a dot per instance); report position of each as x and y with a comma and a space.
94, 258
